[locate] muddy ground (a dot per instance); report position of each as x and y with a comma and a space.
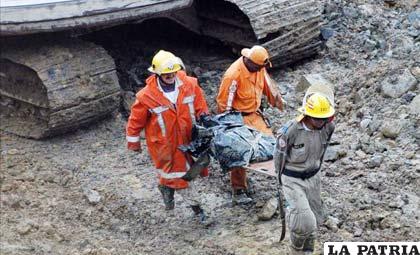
85, 193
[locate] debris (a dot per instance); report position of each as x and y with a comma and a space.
269, 209
93, 196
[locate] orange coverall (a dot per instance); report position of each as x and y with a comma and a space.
247, 99
166, 126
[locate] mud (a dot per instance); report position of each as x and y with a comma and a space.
85, 193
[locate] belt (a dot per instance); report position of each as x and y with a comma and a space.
302, 175
246, 113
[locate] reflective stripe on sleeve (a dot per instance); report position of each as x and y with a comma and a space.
158, 111
190, 101
232, 91
133, 139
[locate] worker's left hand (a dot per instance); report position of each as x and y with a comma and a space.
279, 103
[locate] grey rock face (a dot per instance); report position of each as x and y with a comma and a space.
269, 209
415, 105
327, 32
375, 161
391, 129
395, 87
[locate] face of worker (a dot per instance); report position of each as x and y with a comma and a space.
168, 78
318, 123
251, 66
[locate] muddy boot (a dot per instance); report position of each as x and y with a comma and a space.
309, 245
168, 197
202, 217
239, 197
293, 251
250, 183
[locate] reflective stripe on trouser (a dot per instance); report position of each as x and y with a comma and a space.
158, 111
305, 211
190, 194
238, 174
190, 101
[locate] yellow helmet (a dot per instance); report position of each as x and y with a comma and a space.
165, 62
317, 106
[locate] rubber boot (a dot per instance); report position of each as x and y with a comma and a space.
309, 245
202, 217
239, 197
293, 251
296, 244
168, 197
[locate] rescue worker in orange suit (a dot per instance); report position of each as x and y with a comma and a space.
241, 89
298, 157
166, 108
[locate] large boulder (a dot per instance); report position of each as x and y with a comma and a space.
395, 87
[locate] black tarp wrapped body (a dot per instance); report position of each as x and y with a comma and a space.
229, 141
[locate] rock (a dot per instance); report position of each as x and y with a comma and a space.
7, 248
409, 154
369, 45
66, 177
375, 124
27, 176
375, 161
92, 196
14, 152
396, 203
415, 105
411, 205
24, 228
357, 175
401, 85
401, 45
365, 123
367, 9
15, 201
269, 209
360, 154
357, 232
350, 12
327, 32
391, 129
103, 251
390, 222
47, 176
312, 79
374, 183
408, 97
332, 153
332, 223
416, 72
414, 19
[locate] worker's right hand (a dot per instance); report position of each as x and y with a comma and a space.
134, 146
139, 150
